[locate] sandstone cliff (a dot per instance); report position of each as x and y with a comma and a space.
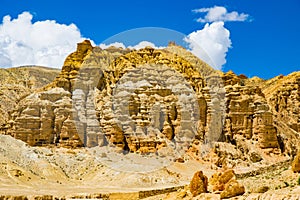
163, 102
283, 96
17, 83
138, 100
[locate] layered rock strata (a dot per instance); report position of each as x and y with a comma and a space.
249, 115
139, 101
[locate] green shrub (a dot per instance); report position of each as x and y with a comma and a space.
298, 181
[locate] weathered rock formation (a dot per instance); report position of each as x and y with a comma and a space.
226, 183
284, 99
17, 83
296, 163
198, 184
283, 95
248, 114
46, 117
162, 102
143, 101
232, 188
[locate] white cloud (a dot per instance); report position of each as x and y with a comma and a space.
210, 44
115, 44
138, 46
219, 13
45, 43
144, 44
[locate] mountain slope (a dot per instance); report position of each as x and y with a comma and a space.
17, 83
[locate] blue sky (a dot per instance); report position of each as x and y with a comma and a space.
265, 44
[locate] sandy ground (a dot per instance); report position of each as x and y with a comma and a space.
61, 172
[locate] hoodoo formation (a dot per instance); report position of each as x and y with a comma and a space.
143, 101
47, 117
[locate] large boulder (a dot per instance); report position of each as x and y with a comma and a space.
198, 185
218, 180
232, 188
296, 163
226, 183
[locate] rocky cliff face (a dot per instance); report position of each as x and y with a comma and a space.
139, 101
248, 113
47, 117
283, 96
17, 83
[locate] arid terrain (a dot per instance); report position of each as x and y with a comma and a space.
147, 124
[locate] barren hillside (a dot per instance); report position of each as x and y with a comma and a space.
133, 124
17, 83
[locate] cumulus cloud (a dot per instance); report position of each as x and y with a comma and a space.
115, 44
138, 46
210, 44
142, 44
45, 43
219, 13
